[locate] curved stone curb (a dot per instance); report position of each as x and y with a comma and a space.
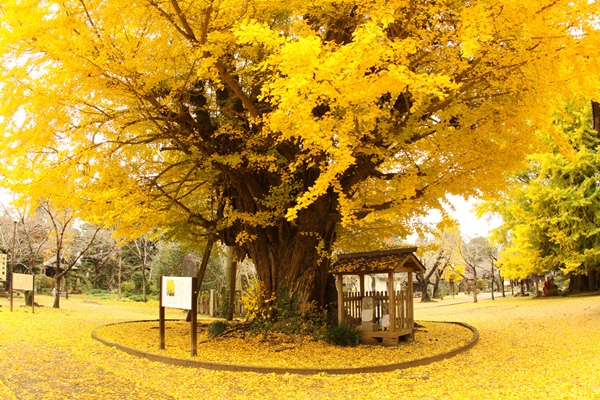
299, 371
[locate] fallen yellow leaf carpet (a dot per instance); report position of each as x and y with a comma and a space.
529, 349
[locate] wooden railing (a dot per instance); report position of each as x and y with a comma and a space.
210, 303
403, 307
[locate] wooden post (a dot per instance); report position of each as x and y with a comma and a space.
12, 265
32, 292
403, 306
211, 303
194, 316
10, 288
392, 301
362, 284
161, 316
340, 289
409, 303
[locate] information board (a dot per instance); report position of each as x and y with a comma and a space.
22, 282
176, 292
179, 292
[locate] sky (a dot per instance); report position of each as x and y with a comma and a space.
470, 225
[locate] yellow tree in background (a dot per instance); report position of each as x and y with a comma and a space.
551, 212
266, 124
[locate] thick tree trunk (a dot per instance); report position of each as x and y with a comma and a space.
593, 280
578, 283
436, 287
424, 287
294, 256
230, 274
28, 298
596, 116
584, 283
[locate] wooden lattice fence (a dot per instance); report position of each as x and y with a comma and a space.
211, 302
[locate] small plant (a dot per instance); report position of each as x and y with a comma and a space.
259, 306
44, 283
344, 335
128, 288
216, 328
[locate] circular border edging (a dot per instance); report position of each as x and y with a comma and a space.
298, 371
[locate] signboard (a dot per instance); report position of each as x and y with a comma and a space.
179, 292
2, 267
176, 292
22, 282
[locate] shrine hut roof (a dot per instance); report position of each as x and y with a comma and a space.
376, 262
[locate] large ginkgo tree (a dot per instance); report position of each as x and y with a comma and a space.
266, 124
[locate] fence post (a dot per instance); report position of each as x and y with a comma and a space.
211, 303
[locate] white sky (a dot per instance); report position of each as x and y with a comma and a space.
5, 197
470, 225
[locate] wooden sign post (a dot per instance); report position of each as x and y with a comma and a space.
182, 293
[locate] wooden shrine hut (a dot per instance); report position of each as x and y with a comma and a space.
379, 322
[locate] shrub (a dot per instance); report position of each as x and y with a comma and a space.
44, 283
137, 279
270, 313
128, 288
344, 335
258, 304
216, 328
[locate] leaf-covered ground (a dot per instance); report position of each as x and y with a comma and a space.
529, 349
281, 350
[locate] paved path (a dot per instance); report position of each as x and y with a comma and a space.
457, 299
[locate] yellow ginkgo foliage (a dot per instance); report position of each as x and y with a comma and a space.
269, 123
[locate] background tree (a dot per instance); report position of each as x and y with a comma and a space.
552, 212
30, 241
67, 249
267, 124
470, 255
436, 262
168, 261
453, 274
101, 262
139, 253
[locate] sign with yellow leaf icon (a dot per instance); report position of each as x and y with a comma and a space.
176, 292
